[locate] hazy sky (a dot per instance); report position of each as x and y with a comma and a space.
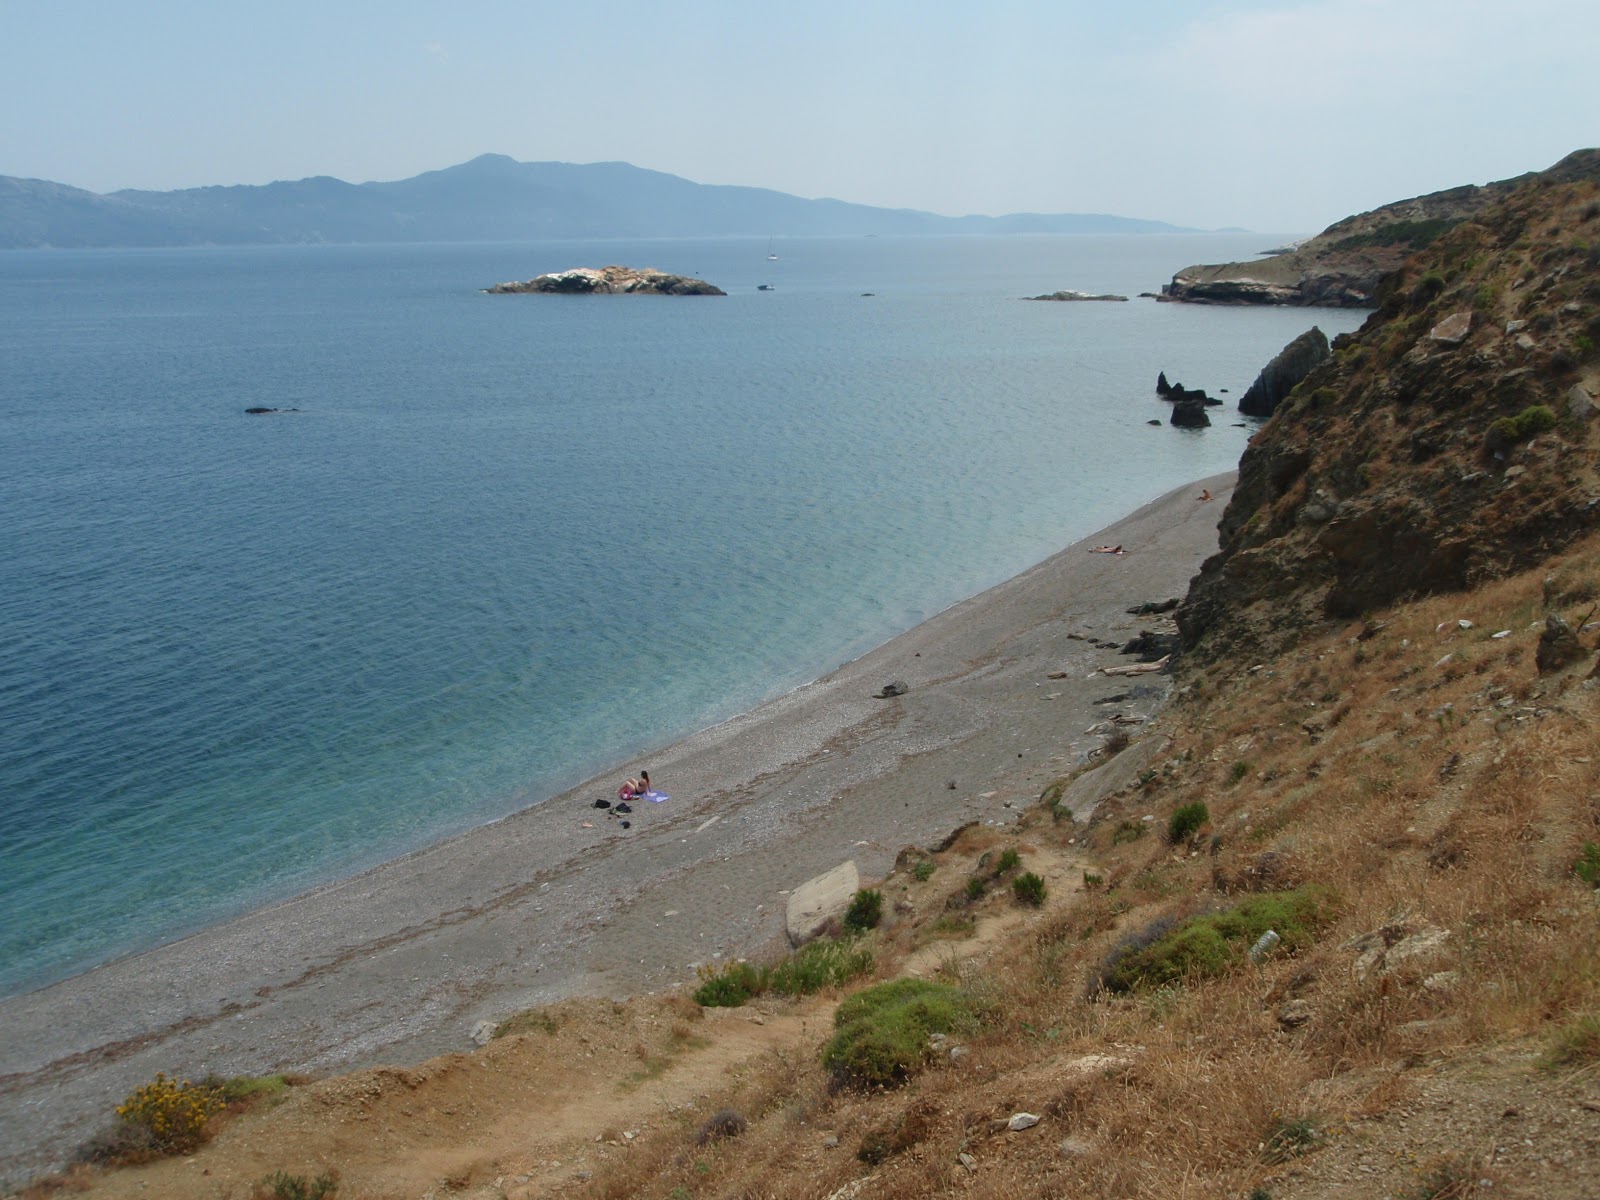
1277, 115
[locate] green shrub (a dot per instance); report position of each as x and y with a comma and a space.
923, 871
881, 1035
729, 986
281, 1185
1128, 831
1010, 860
1412, 234
865, 911
1029, 889
247, 1089
1052, 796
818, 965
975, 889
1290, 1137
1092, 881
813, 967
1505, 432
1206, 945
1587, 868
1185, 820
1429, 286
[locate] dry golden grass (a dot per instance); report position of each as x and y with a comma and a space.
1422, 771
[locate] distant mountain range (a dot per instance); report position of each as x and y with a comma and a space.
490, 199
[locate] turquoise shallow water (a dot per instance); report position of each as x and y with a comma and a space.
509, 540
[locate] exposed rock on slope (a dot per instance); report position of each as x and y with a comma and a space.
585, 281
1450, 441
1280, 376
1341, 266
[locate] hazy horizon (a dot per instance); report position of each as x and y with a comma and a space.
1262, 114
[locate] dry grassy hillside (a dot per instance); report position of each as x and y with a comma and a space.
1381, 751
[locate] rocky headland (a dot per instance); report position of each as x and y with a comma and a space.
1342, 266
607, 281
1449, 441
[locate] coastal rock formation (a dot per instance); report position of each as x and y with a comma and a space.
1071, 295
1190, 413
1279, 377
1434, 449
613, 280
1341, 267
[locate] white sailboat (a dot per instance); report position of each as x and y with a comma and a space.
771, 257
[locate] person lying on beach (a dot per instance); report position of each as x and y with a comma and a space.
634, 787
1106, 550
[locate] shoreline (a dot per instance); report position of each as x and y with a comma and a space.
400, 962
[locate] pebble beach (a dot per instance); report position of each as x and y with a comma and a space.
402, 962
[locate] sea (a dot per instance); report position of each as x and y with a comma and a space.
496, 545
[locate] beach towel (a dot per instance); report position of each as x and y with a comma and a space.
655, 797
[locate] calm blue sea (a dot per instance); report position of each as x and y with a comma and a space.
508, 541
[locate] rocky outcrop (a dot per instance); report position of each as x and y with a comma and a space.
1343, 265
617, 281
1177, 393
1378, 478
819, 901
1190, 413
1279, 377
1070, 295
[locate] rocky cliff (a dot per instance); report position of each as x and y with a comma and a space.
1342, 266
1451, 440
606, 281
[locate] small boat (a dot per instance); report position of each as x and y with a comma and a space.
771, 257
766, 287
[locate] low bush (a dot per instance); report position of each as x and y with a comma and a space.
1211, 943
724, 1123
1185, 820
1127, 831
1575, 1045
865, 911
281, 1185
813, 967
1587, 868
1505, 432
881, 1035
1029, 889
924, 870
975, 889
819, 965
1010, 860
728, 986
1290, 1137
172, 1114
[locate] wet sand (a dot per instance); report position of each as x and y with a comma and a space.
400, 963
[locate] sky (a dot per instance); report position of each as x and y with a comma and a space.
1272, 115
